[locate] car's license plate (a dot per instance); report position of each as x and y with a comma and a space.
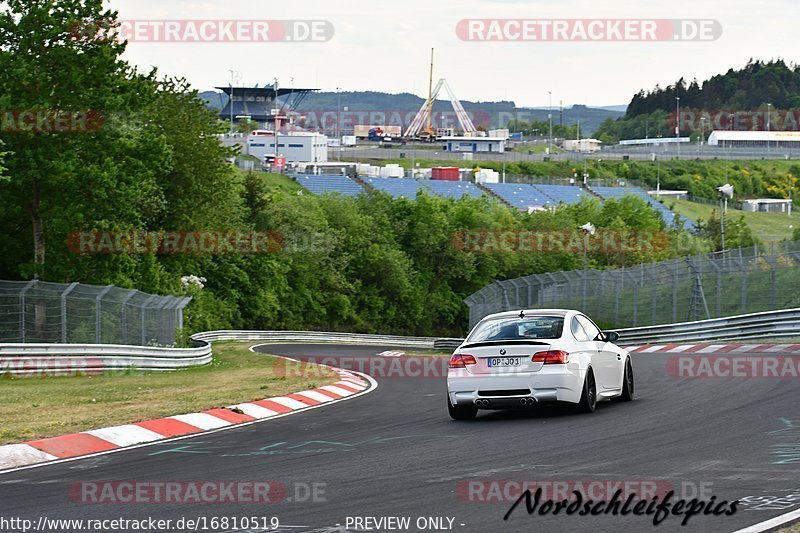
504, 361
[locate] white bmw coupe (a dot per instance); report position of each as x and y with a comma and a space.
519, 359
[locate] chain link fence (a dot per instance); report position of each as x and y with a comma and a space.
41, 312
743, 280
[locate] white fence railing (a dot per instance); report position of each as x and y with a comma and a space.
69, 358
59, 358
37, 359
784, 324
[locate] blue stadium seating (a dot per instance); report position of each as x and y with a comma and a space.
619, 192
452, 189
563, 193
409, 188
521, 195
329, 184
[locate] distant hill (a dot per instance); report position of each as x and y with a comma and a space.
745, 93
755, 85
487, 114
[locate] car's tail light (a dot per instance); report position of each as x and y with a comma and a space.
461, 361
551, 357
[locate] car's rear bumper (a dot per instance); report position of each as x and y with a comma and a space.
507, 391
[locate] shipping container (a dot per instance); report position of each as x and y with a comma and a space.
445, 173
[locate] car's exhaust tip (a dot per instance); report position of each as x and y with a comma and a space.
527, 402
482, 403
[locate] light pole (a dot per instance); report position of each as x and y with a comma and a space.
587, 230
678, 126
550, 120
701, 140
338, 110
275, 125
230, 97
725, 192
769, 114
728, 151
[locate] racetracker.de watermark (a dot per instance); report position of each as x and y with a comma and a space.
560, 241
734, 366
50, 121
509, 490
179, 492
209, 31
54, 365
775, 120
347, 120
588, 30
175, 242
379, 366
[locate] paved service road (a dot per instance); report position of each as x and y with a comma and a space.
396, 453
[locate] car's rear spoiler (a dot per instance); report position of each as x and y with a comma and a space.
497, 342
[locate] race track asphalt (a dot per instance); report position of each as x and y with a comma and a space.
395, 453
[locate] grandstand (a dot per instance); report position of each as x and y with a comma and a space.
329, 184
524, 196
563, 193
618, 192
519, 195
409, 188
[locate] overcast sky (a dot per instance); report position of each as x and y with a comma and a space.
385, 46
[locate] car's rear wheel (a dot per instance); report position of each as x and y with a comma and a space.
588, 401
461, 412
627, 383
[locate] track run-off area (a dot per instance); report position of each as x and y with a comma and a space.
393, 460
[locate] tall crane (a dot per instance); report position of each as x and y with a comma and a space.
423, 116
428, 131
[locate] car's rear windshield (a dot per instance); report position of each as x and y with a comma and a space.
515, 328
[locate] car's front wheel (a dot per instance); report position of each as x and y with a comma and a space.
461, 412
588, 401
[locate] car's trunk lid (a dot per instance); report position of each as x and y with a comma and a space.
506, 357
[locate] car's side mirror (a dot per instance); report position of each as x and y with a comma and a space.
609, 336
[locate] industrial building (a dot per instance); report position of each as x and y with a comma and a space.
768, 205
584, 146
754, 139
474, 144
298, 147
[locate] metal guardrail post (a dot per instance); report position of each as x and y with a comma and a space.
124, 312
144, 318
98, 336
24, 290
674, 293
183, 302
64, 310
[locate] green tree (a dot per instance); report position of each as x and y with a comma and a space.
737, 232
49, 66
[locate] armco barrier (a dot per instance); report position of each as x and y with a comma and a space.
21, 358
784, 324
30, 358
315, 336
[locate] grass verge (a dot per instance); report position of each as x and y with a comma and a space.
765, 226
40, 407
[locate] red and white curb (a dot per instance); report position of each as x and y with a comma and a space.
96, 441
715, 348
